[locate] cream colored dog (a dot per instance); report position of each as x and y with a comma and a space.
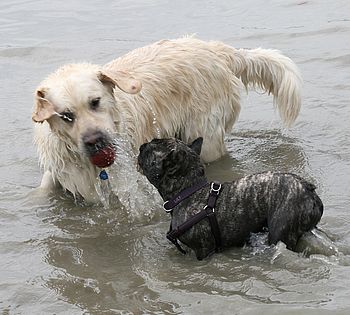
188, 87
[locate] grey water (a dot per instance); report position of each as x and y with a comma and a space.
58, 256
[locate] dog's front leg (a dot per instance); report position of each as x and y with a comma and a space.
47, 183
41, 193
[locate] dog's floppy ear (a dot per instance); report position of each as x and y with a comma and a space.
196, 145
43, 108
121, 79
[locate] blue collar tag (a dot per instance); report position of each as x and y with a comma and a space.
103, 175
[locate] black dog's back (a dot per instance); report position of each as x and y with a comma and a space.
284, 203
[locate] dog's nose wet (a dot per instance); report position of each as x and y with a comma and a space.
93, 138
94, 141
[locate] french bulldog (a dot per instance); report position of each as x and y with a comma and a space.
283, 203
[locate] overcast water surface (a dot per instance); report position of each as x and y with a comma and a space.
62, 257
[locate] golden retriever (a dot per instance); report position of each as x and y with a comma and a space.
184, 88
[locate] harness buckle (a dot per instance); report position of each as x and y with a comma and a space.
215, 187
212, 209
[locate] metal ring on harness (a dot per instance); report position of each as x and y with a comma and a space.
165, 208
212, 188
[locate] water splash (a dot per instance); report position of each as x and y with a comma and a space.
259, 242
104, 190
140, 199
316, 242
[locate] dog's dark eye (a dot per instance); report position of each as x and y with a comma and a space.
95, 103
68, 117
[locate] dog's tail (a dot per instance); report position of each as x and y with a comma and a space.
271, 71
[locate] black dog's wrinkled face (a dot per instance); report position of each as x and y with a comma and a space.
170, 158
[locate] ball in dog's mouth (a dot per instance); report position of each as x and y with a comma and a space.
104, 157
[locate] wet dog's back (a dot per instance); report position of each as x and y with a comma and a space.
285, 203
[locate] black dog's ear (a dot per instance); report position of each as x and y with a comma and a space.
196, 145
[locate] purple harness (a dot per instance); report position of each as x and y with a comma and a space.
207, 212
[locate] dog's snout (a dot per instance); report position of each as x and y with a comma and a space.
93, 138
94, 141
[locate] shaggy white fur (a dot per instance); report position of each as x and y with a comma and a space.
184, 87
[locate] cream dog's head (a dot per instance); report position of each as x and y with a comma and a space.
77, 102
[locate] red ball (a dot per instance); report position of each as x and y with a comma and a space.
104, 157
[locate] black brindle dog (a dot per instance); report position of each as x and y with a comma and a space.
284, 203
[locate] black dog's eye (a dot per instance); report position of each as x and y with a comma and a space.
95, 103
68, 117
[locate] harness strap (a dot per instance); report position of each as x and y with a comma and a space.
173, 234
173, 202
207, 212
172, 237
215, 230
213, 196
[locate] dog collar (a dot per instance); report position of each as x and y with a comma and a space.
171, 203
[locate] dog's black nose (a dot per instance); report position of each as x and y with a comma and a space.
93, 138
94, 141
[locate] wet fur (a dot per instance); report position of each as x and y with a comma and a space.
284, 203
191, 87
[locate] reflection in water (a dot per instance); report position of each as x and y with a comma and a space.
257, 151
106, 262
93, 261
138, 270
